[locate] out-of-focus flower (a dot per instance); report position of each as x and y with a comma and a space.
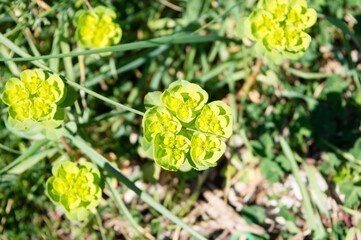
278, 28
97, 28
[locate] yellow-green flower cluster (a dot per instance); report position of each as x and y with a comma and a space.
34, 98
278, 27
75, 187
182, 126
97, 28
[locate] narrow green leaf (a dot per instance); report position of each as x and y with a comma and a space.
123, 208
308, 75
313, 222
35, 147
31, 161
173, 39
65, 47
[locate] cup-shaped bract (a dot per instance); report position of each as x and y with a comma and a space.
205, 151
215, 119
34, 98
170, 150
185, 100
75, 187
278, 28
97, 28
180, 126
159, 120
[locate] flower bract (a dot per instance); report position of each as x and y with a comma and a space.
183, 127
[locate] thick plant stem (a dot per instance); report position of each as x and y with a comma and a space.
105, 164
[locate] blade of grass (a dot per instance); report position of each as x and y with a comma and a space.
104, 163
9, 44
155, 42
313, 223
65, 48
311, 174
308, 75
123, 208
105, 99
129, 66
31, 161
30, 151
343, 27
101, 228
54, 62
6, 148
351, 211
12, 66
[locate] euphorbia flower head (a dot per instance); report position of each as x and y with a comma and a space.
278, 27
34, 98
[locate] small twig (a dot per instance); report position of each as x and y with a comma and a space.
88, 5
248, 84
68, 148
171, 5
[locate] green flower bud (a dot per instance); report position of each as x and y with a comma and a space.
278, 28
97, 29
170, 150
185, 100
216, 119
205, 151
75, 187
159, 120
34, 98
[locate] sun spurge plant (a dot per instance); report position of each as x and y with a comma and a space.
97, 28
182, 127
34, 98
75, 187
278, 27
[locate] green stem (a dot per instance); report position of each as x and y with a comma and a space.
101, 97
105, 164
123, 208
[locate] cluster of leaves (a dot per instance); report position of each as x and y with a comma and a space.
278, 27
97, 28
35, 98
75, 187
181, 126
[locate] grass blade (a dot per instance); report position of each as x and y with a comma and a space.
31, 161
308, 75
129, 66
104, 163
35, 147
123, 208
173, 39
316, 226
